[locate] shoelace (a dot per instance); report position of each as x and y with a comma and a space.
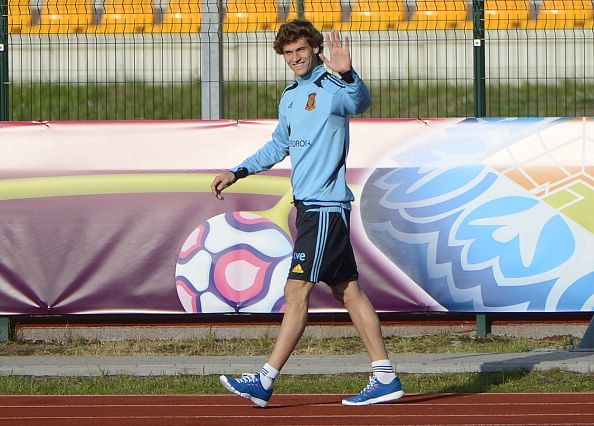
372, 383
247, 378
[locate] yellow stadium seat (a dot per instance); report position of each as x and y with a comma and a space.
565, 14
505, 14
324, 14
376, 15
442, 14
19, 16
250, 15
62, 17
180, 16
124, 16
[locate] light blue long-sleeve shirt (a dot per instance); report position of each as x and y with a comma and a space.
313, 129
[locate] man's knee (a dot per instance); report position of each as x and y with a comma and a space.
297, 291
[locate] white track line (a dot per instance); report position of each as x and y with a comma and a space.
317, 416
337, 404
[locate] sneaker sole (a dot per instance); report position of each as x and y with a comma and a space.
384, 398
259, 402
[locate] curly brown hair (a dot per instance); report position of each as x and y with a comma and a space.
291, 31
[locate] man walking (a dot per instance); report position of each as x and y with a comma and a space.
313, 129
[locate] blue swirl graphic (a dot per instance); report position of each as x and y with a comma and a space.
554, 247
471, 245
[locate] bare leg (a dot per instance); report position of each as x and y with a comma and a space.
364, 318
294, 321
383, 385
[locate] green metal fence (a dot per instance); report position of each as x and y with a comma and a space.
180, 59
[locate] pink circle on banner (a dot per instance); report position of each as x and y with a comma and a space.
240, 275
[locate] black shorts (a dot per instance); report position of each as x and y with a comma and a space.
322, 249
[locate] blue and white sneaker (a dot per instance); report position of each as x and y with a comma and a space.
248, 386
376, 392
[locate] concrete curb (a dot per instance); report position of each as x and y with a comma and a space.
575, 361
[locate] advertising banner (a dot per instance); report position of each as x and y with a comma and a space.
464, 215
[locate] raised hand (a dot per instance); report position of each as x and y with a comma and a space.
340, 55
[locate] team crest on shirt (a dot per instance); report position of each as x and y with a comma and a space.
311, 102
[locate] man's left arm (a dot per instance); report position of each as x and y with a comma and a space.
355, 97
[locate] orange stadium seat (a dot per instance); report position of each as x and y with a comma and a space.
125, 16
443, 14
250, 15
324, 14
376, 15
62, 17
505, 14
180, 16
564, 14
19, 16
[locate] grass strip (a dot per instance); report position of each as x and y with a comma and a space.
210, 345
532, 381
392, 98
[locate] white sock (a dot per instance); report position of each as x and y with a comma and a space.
267, 375
383, 370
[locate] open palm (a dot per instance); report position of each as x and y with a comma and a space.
340, 55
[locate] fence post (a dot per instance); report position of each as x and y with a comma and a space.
300, 9
478, 36
4, 60
483, 322
483, 325
587, 343
4, 329
211, 50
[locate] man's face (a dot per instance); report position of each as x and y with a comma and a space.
300, 56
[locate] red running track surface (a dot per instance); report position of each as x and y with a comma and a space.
286, 410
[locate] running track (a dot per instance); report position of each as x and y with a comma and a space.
287, 410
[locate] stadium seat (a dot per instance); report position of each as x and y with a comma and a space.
124, 16
250, 15
505, 14
376, 15
324, 14
441, 14
62, 17
19, 16
564, 14
179, 16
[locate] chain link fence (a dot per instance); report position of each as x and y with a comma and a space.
192, 59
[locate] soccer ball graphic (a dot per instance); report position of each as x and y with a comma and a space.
234, 262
